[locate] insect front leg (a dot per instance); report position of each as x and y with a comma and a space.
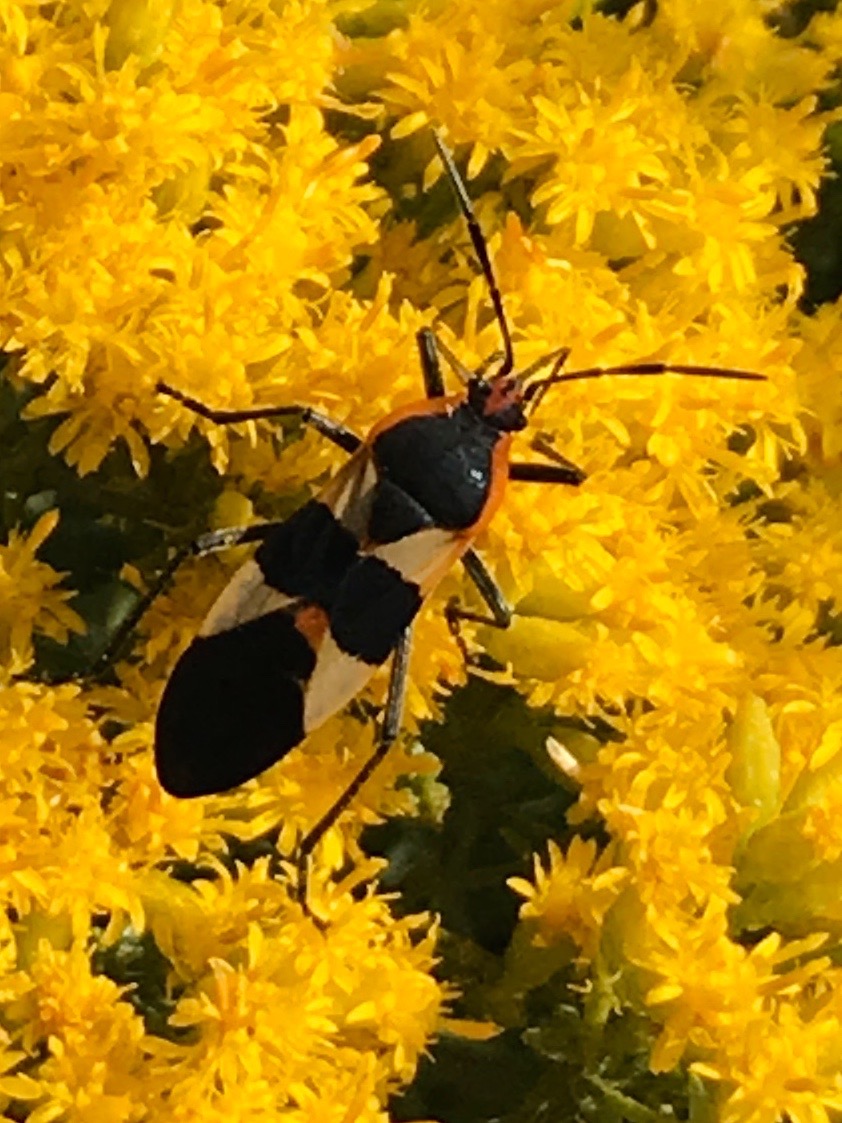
561, 471
491, 593
547, 474
428, 349
335, 431
431, 347
205, 544
389, 730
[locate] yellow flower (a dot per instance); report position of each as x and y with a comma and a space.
299, 1008
786, 1063
571, 894
238, 199
29, 599
93, 1059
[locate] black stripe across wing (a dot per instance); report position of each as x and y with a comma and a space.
308, 555
371, 610
314, 558
233, 706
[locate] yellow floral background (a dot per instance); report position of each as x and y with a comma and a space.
242, 198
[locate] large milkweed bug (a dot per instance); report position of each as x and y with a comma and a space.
332, 591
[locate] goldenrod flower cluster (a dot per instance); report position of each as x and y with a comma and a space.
243, 199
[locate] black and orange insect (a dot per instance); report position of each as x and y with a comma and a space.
331, 592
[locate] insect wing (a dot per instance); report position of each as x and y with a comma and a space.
294, 636
234, 703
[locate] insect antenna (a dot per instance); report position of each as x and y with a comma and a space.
535, 391
481, 250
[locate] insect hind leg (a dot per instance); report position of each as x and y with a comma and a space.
389, 730
205, 544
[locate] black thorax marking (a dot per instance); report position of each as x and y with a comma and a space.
433, 470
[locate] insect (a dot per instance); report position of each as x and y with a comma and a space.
331, 592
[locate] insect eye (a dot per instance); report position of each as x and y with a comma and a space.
479, 389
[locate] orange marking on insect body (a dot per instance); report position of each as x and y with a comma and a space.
416, 409
496, 487
504, 392
313, 622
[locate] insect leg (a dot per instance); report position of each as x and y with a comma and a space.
492, 595
388, 734
204, 544
561, 471
489, 590
334, 430
547, 473
428, 348
431, 347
